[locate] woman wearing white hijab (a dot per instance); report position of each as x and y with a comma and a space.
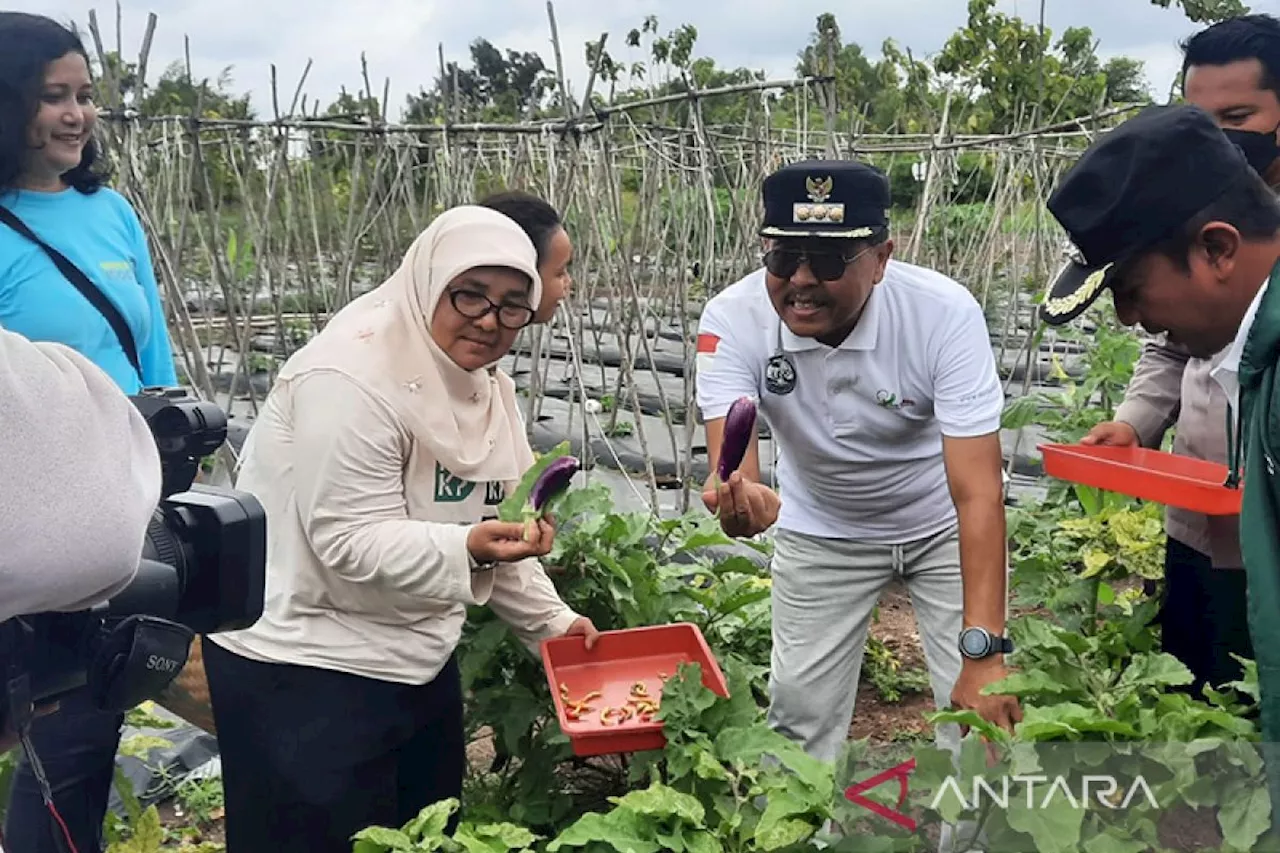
385, 442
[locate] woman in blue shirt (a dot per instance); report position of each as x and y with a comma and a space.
48, 180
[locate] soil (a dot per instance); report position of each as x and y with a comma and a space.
874, 718
185, 834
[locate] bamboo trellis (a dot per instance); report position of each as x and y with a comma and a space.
261, 229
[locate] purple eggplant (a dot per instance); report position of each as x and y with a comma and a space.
739, 426
552, 481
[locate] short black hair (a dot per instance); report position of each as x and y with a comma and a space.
1251, 207
28, 43
539, 219
1237, 39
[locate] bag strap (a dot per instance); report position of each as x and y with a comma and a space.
86, 287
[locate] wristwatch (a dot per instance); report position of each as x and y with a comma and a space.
477, 566
978, 643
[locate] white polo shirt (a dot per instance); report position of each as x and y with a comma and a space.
860, 436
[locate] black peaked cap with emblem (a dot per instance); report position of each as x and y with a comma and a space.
825, 198
1133, 187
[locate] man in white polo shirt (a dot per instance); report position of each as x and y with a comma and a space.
879, 384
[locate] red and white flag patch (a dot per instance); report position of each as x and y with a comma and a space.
706, 351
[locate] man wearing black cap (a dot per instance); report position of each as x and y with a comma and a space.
1199, 262
1232, 70
879, 384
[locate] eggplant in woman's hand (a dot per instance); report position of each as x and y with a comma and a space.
538, 489
553, 480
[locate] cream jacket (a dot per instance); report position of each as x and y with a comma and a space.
368, 571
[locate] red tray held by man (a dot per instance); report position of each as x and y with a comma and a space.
1166, 478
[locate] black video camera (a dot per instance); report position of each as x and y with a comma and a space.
203, 571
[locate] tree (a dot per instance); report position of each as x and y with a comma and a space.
856, 82
177, 94
1126, 81
1207, 11
1017, 75
508, 86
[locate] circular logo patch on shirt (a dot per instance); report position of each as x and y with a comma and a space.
780, 375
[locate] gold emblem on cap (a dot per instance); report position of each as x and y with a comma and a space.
819, 189
1086, 291
817, 212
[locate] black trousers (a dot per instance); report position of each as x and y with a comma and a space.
310, 756
1205, 616
77, 748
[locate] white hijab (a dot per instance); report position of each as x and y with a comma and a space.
468, 420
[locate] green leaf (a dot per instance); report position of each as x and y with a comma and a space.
1030, 683
1245, 814
1112, 844
1053, 824
140, 746
513, 508
494, 838
749, 744
1095, 560
381, 839
429, 825
1089, 497
148, 835
623, 830
702, 842
705, 766
1020, 413
659, 800
782, 834
1154, 670
781, 805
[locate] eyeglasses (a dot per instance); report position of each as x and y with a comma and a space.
474, 306
825, 266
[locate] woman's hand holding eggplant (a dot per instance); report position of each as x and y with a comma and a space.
509, 541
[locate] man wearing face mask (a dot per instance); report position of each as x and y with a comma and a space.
879, 384
1232, 71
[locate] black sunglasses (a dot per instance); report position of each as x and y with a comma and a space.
473, 306
825, 266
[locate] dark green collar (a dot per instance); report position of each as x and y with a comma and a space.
1262, 346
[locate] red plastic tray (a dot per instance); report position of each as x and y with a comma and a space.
1166, 478
618, 661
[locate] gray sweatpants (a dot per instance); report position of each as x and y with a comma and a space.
823, 593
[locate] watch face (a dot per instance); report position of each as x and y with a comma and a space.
974, 643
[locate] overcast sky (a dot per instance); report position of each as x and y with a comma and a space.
400, 37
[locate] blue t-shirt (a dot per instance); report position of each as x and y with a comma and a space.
100, 234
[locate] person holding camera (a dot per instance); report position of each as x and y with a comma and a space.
75, 269
380, 457
81, 478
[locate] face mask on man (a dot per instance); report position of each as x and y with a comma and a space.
1260, 148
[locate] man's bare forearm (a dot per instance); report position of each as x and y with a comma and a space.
982, 562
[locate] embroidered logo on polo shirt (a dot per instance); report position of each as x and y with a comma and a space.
889, 400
